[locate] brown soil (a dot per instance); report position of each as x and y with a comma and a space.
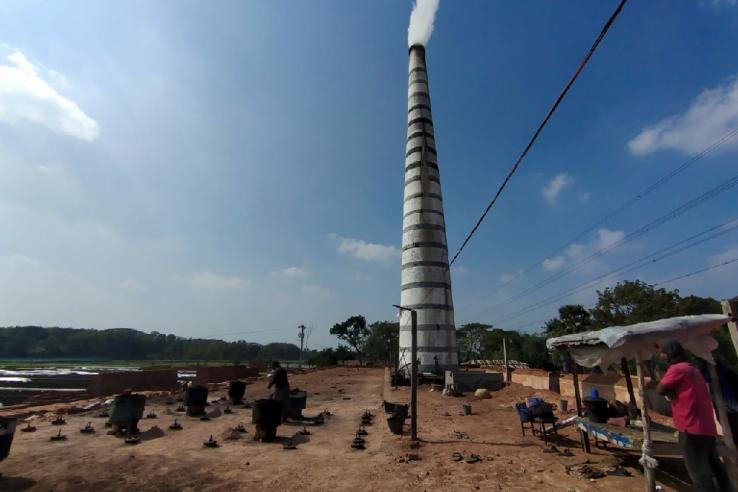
177, 460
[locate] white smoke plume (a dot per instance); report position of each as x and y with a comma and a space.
421, 22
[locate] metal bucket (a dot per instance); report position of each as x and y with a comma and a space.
7, 431
127, 408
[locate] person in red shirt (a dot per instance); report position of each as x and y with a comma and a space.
691, 408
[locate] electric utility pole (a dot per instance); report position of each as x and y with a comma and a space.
302, 341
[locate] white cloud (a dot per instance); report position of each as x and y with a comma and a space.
358, 248
577, 251
459, 270
551, 264
132, 285
604, 239
554, 187
711, 115
583, 196
506, 277
719, 3
720, 258
18, 261
291, 272
26, 96
214, 281
607, 238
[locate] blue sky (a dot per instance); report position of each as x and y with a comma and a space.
219, 169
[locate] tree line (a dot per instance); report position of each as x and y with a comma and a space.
128, 344
626, 303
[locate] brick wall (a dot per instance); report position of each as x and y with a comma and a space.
610, 386
207, 375
111, 383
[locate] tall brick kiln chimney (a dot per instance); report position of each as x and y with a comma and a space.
426, 279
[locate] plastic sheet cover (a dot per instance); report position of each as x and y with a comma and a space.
607, 346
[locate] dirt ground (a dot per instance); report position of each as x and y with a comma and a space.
177, 460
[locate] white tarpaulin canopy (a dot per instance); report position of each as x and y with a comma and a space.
607, 346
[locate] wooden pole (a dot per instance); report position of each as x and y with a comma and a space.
507, 368
414, 378
730, 308
628, 381
647, 461
731, 460
302, 342
578, 399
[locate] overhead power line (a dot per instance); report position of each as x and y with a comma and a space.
697, 272
708, 195
674, 279
663, 253
627, 204
533, 139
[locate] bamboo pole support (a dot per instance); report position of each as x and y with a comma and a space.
584, 435
628, 381
647, 461
730, 459
730, 308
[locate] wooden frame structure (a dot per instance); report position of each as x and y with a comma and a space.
604, 347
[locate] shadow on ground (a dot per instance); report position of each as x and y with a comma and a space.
12, 484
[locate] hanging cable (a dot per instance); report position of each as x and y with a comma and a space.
533, 139
627, 204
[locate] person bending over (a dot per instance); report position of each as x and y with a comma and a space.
691, 409
281, 388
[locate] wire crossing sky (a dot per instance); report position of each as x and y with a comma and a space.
233, 172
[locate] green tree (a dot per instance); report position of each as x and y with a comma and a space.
534, 352
632, 302
382, 341
470, 340
127, 344
352, 331
573, 318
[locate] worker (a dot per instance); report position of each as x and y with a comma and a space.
281, 388
691, 408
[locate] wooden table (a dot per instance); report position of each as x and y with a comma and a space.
665, 440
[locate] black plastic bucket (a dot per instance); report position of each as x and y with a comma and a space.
127, 408
298, 401
400, 411
236, 391
266, 412
196, 396
596, 409
7, 431
395, 424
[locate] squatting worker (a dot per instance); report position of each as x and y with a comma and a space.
281, 388
691, 408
